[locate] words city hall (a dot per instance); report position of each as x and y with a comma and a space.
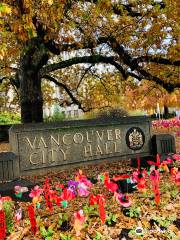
61, 147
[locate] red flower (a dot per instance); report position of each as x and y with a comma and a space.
112, 187
100, 200
67, 194
93, 200
157, 196
59, 186
2, 225
157, 163
6, 198
158, 160
141, 184
167, 161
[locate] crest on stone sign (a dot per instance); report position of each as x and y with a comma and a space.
135, 138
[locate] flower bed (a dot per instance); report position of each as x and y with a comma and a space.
90, 204
172, 125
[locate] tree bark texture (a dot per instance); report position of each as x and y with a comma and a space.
166, 111
31, 99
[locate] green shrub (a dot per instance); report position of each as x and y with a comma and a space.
112, 114
9, 118
57, 116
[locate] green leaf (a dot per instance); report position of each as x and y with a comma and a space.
43, 231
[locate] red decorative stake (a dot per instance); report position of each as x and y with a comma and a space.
101, 202
2, 225
47, 195
158, 160
154, 176
32, 218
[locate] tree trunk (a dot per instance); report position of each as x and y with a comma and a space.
166, 111
31, 100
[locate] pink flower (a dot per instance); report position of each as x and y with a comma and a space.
87, 183
18, 215
176, 157
167, 161
36, 192
82, 190
117, 196
177, 178
124, 201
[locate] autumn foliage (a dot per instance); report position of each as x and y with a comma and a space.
74, 43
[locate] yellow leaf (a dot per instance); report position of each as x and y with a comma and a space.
50, 2
4, 8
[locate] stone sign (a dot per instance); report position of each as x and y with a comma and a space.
43, 146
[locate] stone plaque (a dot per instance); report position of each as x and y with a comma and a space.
44, 146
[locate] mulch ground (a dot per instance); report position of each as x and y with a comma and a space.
156, 222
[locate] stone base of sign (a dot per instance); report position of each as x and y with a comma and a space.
163, 144
9, 166
46, 147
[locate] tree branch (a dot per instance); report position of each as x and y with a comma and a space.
85, 72
158, 60
86, 59
132, 63
13, 81
68, 91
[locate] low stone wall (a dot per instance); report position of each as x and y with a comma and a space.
8, 166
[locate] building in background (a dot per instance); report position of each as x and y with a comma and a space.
71, 111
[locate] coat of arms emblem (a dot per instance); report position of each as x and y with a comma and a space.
135, 138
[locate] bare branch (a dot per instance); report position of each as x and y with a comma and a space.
158, 60
68, 91
85, 72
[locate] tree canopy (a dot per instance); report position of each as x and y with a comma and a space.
45, 39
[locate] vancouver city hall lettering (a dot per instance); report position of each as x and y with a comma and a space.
58, 147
